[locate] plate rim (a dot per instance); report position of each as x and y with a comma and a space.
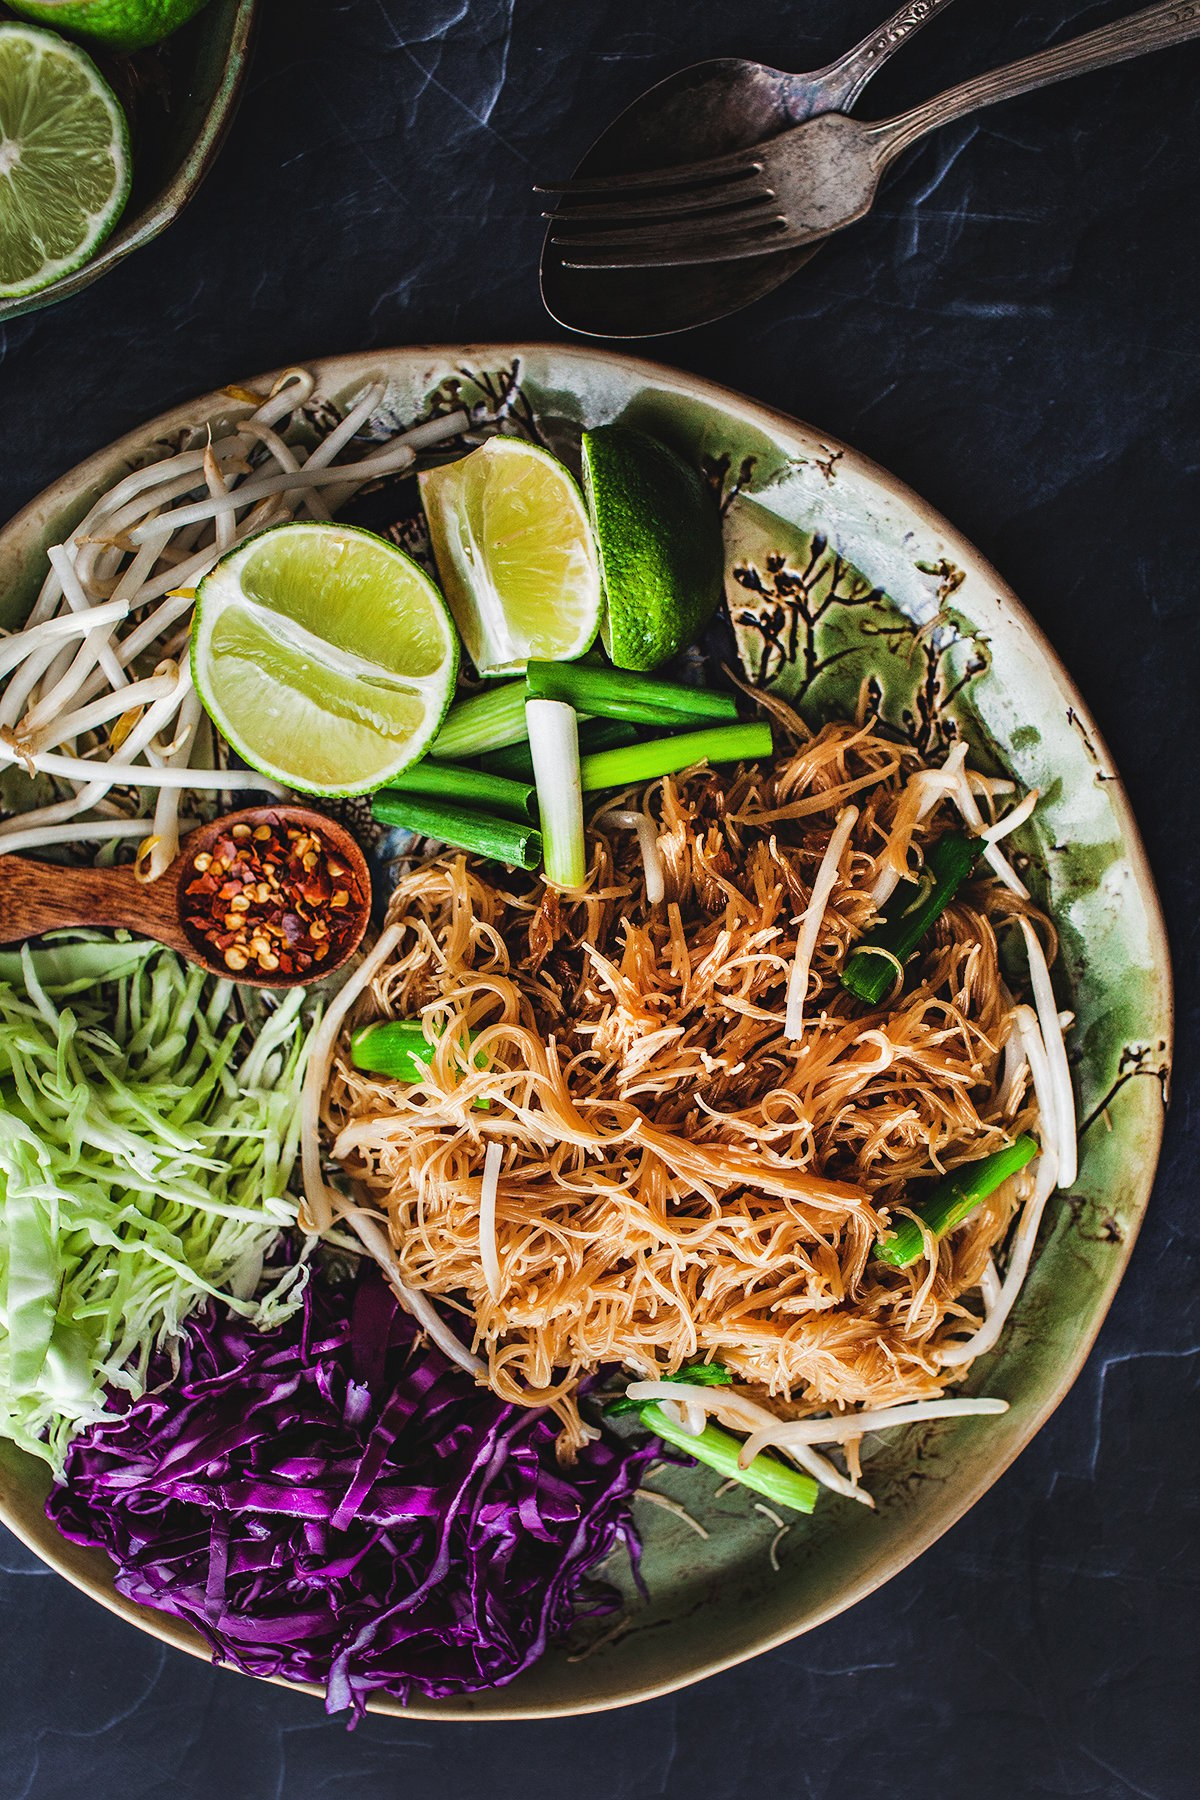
491, 1704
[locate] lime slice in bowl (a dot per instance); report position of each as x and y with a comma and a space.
515, 553
65, 165
324, 655
661, 554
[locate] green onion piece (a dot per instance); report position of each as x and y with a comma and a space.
389, 1047
954, 1199
664, 756
515, 762
872, 966
485, 721
518, 845
767, 1475
615, 694
450, 781
399, 1050
554, 741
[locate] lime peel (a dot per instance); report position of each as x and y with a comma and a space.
659, 534
116, 24
324, 655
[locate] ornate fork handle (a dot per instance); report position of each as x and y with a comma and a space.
843, 81
1154, 29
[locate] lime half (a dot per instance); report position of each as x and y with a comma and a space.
117, 24
324, 655
659, 532
64, 159
515, 553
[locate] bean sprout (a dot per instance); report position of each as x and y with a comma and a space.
1000, 1304
810, 929
78, 702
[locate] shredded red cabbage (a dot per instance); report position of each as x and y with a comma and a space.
333, 1502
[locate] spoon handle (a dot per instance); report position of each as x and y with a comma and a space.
1154, 29
844, 80
38, 896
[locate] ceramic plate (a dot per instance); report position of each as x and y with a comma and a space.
837, 576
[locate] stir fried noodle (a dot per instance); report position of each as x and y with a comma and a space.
680, 1178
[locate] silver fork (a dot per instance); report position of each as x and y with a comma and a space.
815, 178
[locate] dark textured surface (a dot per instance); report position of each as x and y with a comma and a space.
1015, 333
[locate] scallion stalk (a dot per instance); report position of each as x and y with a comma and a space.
515, 761
399, 1050
616, 694
767, 1475
451, 781
665, 756
954, 1199
390, 1047
877, 958
503, 840
485, 721
554, 741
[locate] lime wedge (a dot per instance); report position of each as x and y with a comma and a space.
515, 553
64, 159
659, 532
117, 24
324, 655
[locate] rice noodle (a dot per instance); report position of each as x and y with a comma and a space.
682, 1181
665, 1502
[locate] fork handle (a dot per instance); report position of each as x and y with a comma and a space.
1153, 29
844, 80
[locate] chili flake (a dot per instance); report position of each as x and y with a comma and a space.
275, 896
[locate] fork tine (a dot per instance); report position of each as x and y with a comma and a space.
739, 165
670, 206
667, 253
702, 232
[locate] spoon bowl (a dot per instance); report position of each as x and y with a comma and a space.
37, 896
712, 108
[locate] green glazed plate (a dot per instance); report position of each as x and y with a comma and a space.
837, 576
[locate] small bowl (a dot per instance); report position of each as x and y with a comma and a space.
180, 97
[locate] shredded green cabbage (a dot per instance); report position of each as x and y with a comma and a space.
147, 1139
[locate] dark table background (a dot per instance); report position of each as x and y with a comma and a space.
1014, 332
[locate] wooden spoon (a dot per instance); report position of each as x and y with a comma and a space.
38, 896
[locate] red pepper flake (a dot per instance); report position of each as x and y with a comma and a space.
294, 902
